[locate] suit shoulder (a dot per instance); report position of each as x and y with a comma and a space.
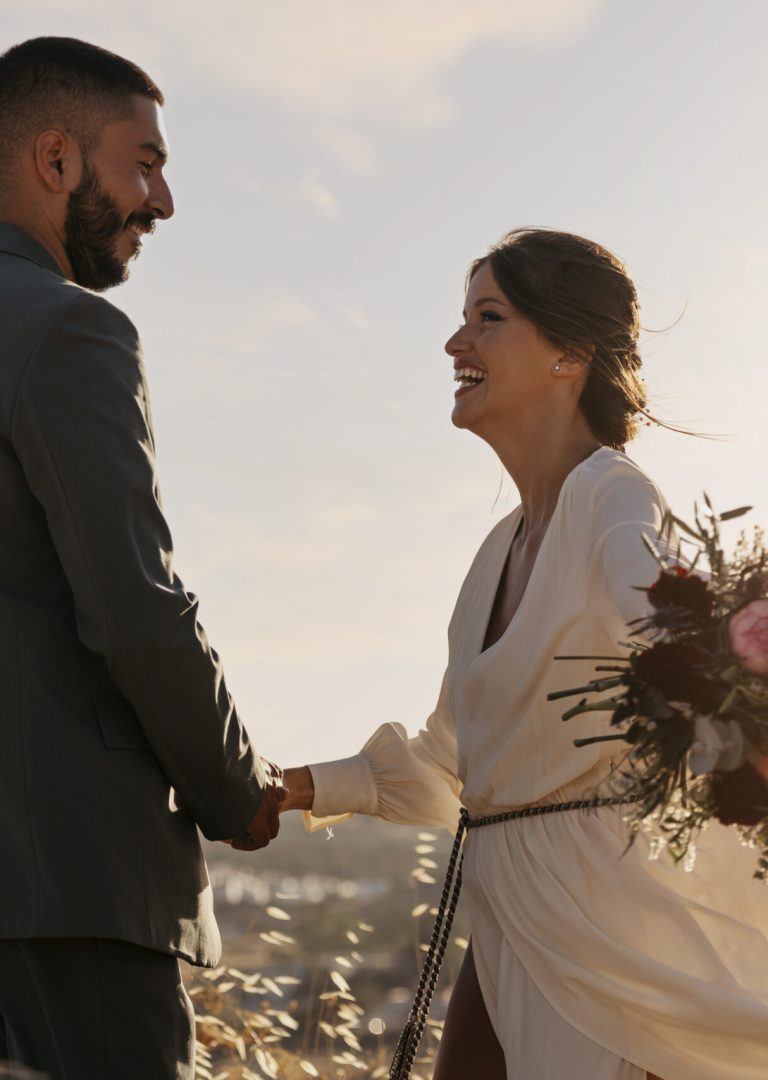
83, 332
33, 299
87, 329
82, 307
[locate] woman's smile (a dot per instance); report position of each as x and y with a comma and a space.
468, 378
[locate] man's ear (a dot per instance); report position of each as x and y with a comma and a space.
58, 161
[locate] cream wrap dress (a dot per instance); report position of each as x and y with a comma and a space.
593, 965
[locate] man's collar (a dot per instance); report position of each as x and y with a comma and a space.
16, 242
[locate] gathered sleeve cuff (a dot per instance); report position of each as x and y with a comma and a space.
342, 788
408, 781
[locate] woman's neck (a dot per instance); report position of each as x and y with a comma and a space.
538, 466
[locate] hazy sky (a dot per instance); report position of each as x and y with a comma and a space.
336, 164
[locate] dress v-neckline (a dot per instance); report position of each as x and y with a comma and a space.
515, 520
516, 523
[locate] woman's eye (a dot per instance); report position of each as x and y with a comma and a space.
489, 316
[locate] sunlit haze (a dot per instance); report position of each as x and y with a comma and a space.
336, 164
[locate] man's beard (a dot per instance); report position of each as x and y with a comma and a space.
92, 228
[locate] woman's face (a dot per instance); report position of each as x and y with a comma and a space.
503, 365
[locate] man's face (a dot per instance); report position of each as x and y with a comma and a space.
121, 192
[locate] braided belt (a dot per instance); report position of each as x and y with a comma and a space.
408, 1044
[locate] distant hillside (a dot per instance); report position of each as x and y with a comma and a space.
360, 847
366, 870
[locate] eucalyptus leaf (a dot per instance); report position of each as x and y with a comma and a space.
604, 705
596, 686
687, 528
729, 515
598, 738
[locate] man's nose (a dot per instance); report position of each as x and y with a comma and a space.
160, 199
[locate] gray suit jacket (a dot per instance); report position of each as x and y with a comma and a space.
117, 734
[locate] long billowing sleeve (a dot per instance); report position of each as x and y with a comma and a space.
82, 433
409, 781
626, 507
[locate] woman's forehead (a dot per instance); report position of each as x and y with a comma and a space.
483, 286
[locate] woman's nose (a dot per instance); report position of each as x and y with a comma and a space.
458, 342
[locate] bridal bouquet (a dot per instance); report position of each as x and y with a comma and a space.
690, 695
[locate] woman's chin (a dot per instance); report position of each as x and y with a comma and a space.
462, 415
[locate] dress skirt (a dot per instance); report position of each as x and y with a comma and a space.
538, 1043
582, 986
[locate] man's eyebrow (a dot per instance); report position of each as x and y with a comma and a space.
157, 149
484, 300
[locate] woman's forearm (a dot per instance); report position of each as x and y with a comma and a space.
300, 789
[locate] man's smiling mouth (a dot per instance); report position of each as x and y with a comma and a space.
140, 228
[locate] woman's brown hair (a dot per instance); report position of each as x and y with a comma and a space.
580, 297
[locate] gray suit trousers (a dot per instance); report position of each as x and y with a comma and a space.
93, 1009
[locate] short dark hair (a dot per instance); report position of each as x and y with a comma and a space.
49, 82
582, 299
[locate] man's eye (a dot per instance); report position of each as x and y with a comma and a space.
146, 167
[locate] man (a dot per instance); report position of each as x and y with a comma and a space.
117, 735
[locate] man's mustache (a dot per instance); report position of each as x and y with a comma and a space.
144, 220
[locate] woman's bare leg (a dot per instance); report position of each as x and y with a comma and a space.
469, 1047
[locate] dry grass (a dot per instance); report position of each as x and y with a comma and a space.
249, 1026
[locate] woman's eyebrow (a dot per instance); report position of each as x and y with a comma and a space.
484, 300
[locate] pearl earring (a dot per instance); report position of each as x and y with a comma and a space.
556, 367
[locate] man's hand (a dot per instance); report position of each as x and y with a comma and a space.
266, 823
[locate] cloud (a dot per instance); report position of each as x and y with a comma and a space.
311, 569
308, 189
349, 147
335, 59
319, 197
341, 57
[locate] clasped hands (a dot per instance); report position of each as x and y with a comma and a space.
289, 789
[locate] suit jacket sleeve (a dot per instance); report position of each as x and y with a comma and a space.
82, 432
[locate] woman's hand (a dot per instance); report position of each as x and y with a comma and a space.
300, 789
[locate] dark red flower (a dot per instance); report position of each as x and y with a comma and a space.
681, 589
740, 796
677, 672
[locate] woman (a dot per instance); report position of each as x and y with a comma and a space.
584, 965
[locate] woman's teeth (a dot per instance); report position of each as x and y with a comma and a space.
469, 376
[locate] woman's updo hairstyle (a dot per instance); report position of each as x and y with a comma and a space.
580, 297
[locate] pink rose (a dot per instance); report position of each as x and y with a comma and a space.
748, 632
